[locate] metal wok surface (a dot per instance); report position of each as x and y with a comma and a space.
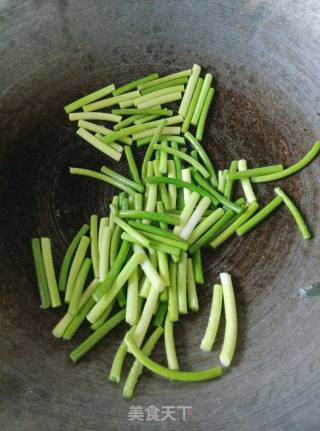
266, 59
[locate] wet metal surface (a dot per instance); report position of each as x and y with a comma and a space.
266, 59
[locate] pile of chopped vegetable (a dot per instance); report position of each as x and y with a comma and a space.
141, 263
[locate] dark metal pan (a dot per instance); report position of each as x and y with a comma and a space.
266, 59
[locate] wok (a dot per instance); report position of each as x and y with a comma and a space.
266, 61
